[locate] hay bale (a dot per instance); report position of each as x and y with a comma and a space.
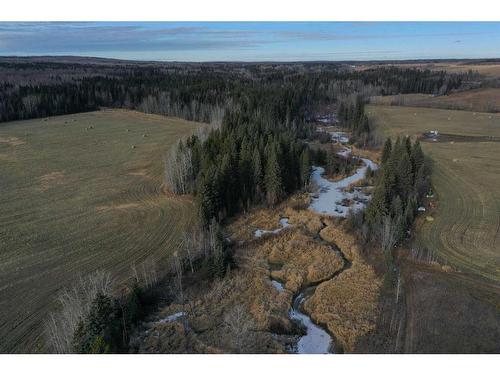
133, 146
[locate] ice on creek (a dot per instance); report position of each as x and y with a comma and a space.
316, 340
172, 317
336, 136
339, 137
345, 152
331, 194
279, 287
283, 222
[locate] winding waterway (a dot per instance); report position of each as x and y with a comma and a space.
328, 201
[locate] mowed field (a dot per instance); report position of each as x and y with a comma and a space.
457, 310
490, 70
479, 100
76, 196
466, 176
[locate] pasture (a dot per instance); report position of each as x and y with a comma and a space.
478, 100
79, 193
454, 309
488, 70
466, 176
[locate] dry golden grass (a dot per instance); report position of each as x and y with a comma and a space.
347, 304
304, 260
249, 287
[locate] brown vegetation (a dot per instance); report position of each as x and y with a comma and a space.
478, 100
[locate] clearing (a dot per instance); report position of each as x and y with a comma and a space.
79, 193
466, 176
479, 100
453, 308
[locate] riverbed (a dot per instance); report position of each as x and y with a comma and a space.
331, 195
329, 200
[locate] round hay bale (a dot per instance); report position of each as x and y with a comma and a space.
133, 146
429, 219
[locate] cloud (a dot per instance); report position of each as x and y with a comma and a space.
85, 37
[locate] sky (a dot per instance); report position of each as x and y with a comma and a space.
253, 41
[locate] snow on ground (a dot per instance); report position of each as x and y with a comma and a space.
283, 223
331, 194
339, 137
316, 340
345, 152
279, 287
172, 317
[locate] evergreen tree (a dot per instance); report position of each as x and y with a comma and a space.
257, 173
417, 156
305, 167
405, 176
207, 197
97, 323
386, 153
274, 187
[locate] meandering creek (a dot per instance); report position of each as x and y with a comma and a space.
328, 201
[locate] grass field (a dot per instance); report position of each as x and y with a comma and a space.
479, 100
76, 196
490, 70
448, 311
466, 178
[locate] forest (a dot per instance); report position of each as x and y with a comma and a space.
253, 153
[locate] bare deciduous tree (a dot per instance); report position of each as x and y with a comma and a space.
178, 169
241, 326
146, 273
75, 304
196, 244
388, 235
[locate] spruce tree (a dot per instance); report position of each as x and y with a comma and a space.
417, 156
305, 167
386, 153
207, 198
405, 176
274, 187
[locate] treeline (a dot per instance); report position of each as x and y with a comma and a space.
197, 91
247, 161
98, 316
351, 114
409, 80
401, 184
333, 163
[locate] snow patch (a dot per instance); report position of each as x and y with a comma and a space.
279, 287
331, 195
172, 317
283, 222
316, 340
